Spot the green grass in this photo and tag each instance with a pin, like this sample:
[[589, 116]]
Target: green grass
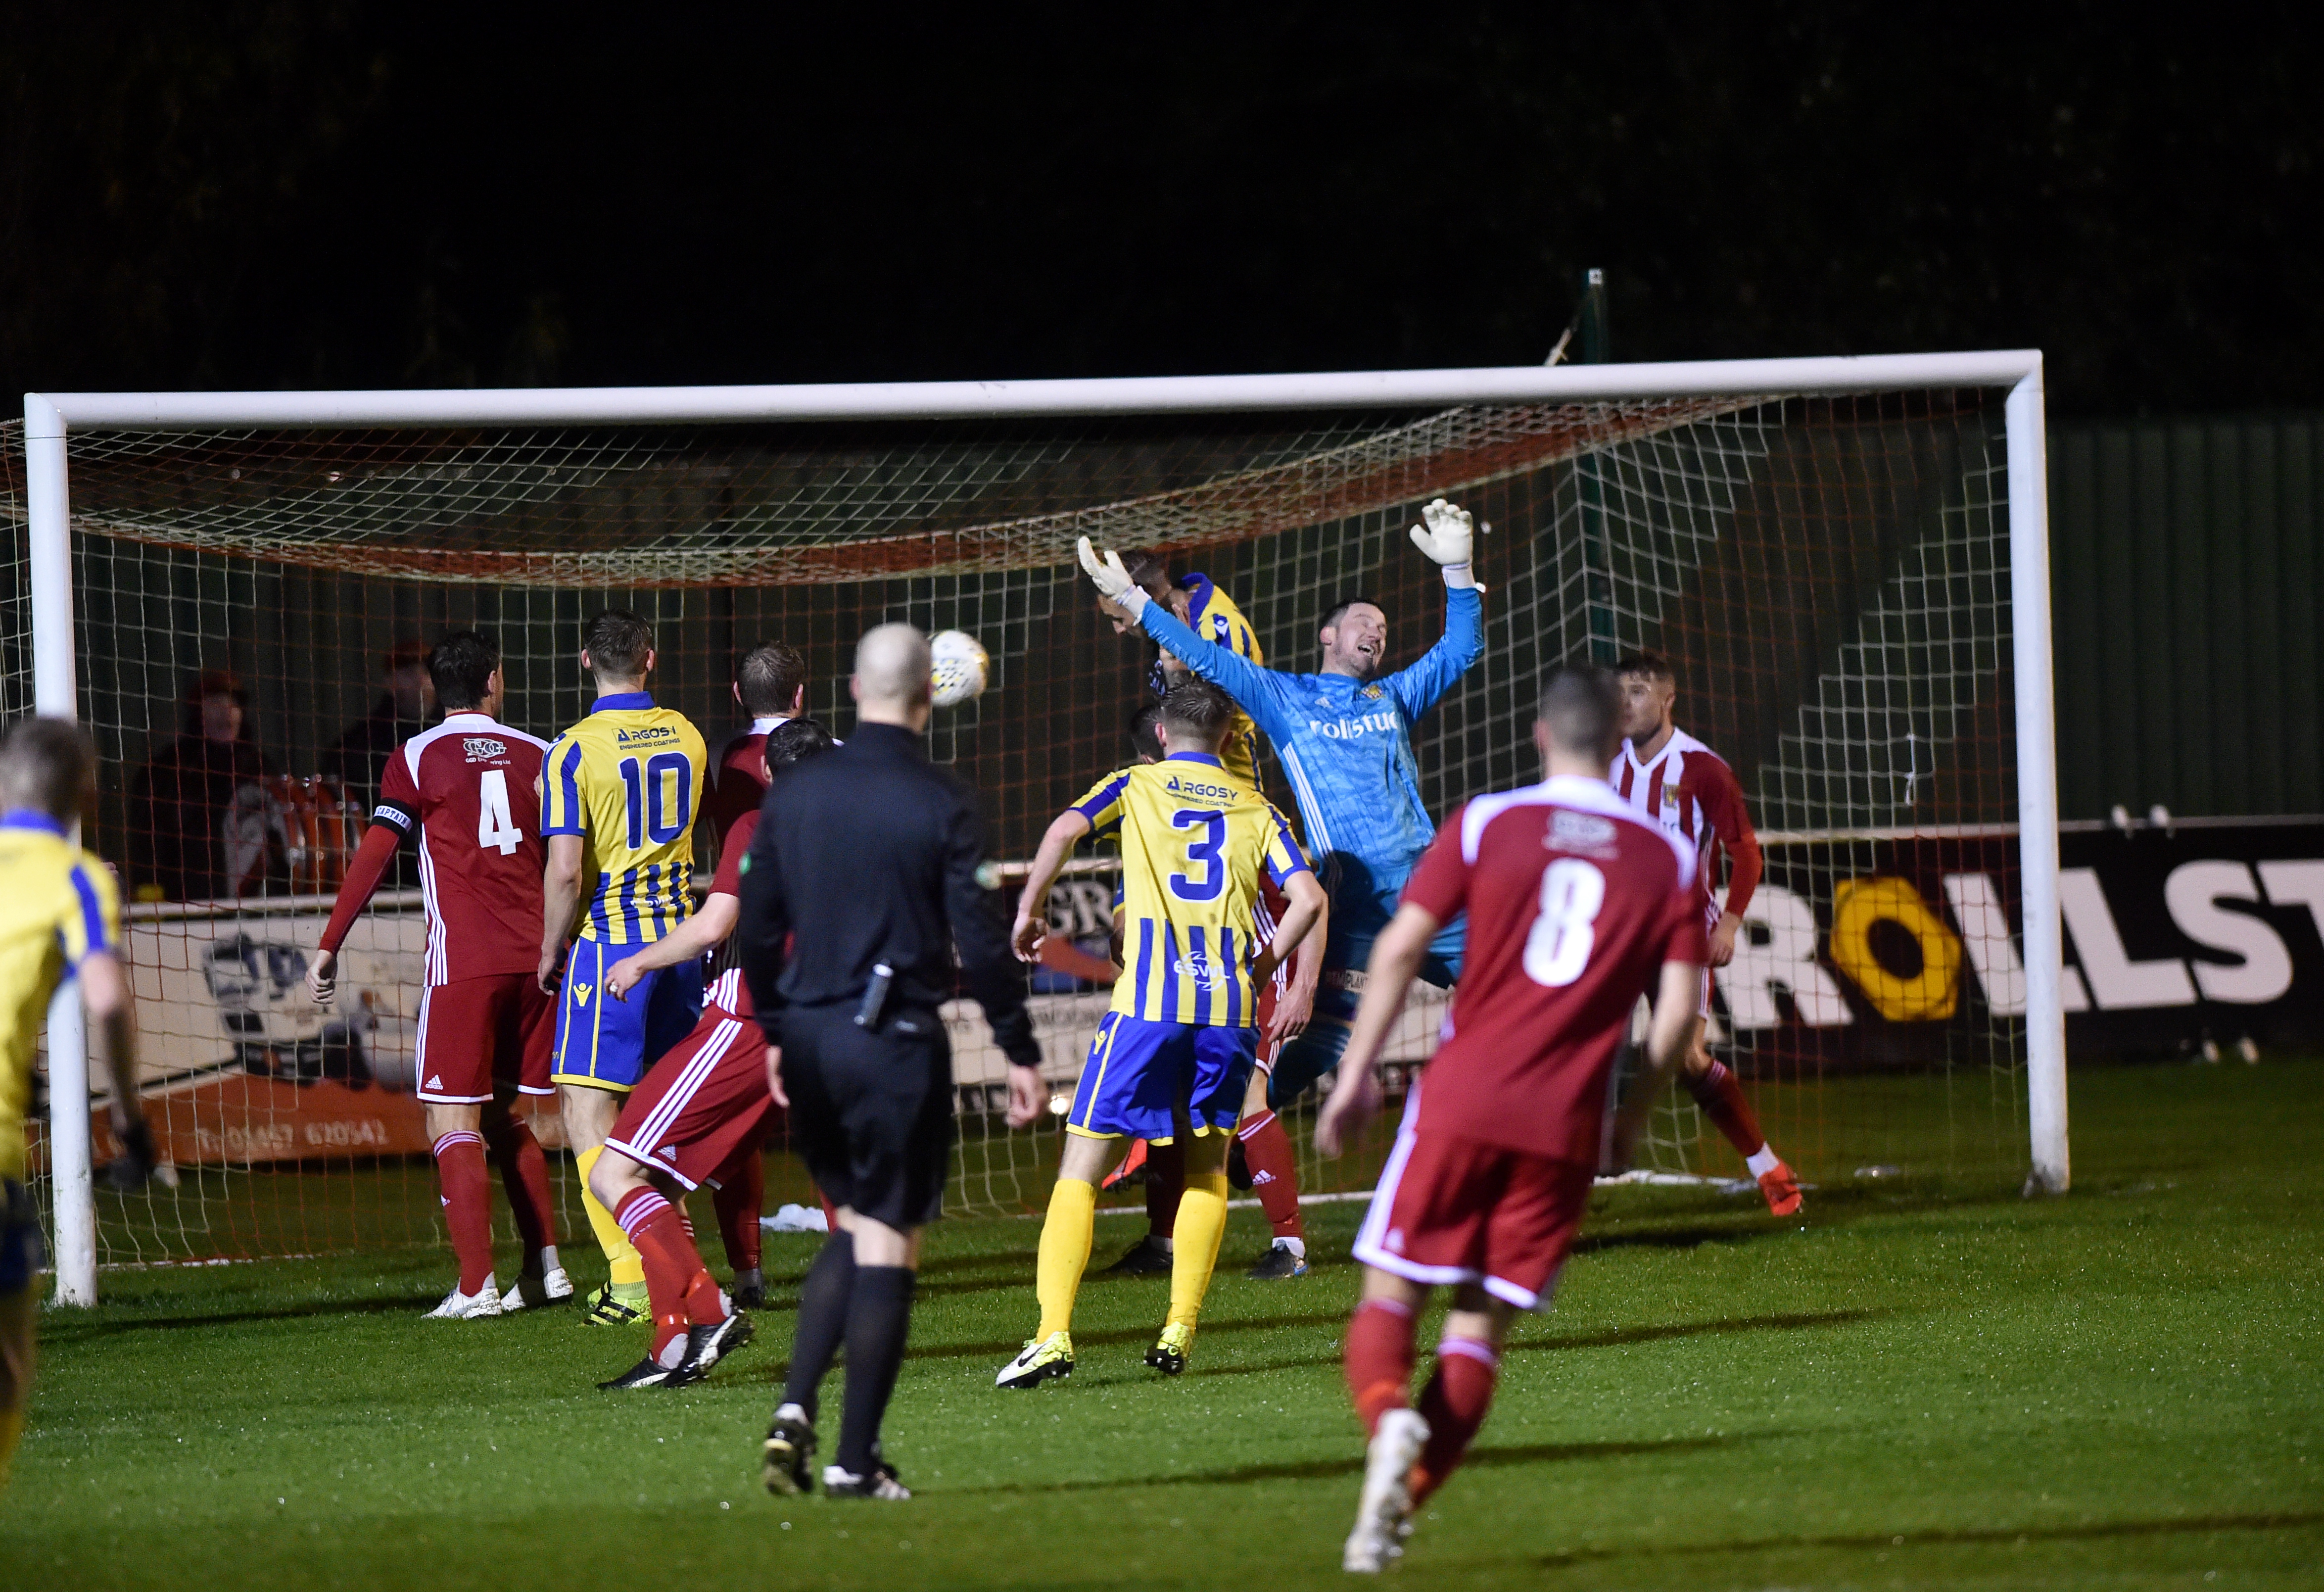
[[2117, 1389]]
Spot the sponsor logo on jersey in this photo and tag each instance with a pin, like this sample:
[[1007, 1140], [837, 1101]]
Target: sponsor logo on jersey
[[1201, 969], [481, 748], [654, 732], [1195, 787], [1350, 729], [1578, 832]]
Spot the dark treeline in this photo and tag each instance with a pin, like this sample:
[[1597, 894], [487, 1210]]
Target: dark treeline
[[353, 194]]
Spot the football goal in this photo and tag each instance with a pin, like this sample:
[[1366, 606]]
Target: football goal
[[1846, 560]]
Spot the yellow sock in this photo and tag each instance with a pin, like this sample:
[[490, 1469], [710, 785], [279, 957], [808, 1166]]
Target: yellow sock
[[628, 1268], [1065, 1237], [1194, 1249]]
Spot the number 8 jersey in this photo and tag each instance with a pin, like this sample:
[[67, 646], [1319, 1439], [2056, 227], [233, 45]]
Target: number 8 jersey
[[465, 793], [1194, 841], [1574, 903], [628, 780]]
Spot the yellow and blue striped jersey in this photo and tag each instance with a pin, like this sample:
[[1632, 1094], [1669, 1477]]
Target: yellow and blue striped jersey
[[56, 904], [1194, 841], [628, 780], [1212, 614]]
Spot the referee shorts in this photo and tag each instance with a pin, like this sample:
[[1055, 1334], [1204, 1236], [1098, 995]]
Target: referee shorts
[[871, 1108], [606, 1043]]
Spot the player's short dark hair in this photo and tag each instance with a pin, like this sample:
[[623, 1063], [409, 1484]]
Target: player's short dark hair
[[1147, 570], [1582, 705], [1197, 710], [461, 667], [794, 740], [1142, 743], [617, 641], [1653, 665], [404, 655], [768, 678], [46, 764], [1339, 610]]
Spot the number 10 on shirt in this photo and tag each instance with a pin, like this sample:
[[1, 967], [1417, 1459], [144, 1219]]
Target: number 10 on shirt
[[661, 798]]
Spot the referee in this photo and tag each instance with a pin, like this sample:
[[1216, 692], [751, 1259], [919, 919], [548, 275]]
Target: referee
[[862, 878]]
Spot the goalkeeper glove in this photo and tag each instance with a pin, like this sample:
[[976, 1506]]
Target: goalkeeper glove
[[137, 1159], [1447, 536], [1111, 578]]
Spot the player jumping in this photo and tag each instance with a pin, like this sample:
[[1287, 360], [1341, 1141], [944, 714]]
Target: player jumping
[[1174, 1055], [700, 1112], [466, 796], [1343, 736], [1573, 903], [619, 794], [1670, 778]]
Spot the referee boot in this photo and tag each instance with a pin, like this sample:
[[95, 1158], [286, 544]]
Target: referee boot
[[788, 1453]]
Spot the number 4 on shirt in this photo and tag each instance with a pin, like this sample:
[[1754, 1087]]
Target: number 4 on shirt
[[496, 828]]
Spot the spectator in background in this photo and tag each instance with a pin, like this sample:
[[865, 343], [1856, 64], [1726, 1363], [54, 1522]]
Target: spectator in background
[[198, 809], [408, 706]]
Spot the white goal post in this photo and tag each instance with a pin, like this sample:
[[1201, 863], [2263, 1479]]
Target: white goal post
[[49, 417]]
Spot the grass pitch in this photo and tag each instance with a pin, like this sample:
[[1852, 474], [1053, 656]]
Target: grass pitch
[[1910, 1388]]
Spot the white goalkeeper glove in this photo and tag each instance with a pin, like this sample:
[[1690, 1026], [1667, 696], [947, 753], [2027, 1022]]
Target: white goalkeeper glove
[[1448, 536], [1111, 579]]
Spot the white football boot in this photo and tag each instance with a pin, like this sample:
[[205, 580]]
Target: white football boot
[[467, 1306], [1378, 1539], [525, 1292]]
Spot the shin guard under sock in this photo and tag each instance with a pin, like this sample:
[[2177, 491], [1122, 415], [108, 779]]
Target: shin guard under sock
[[466, 1192], [628, 1270], [822, 1323], [879, 1321], [1274, 1173], [524, 1179], [1065, 1236], [1379, 1359], [1202, 1224], [1720, 1094], [1453, 1403]]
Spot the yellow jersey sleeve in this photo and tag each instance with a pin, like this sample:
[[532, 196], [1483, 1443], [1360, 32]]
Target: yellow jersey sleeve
[[1104, 802], [91, 920]]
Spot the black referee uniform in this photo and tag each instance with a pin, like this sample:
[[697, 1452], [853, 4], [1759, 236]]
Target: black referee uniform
[[866, 858]]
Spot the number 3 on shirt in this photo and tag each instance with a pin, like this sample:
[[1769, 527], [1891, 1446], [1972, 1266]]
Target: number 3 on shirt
[[496, 828], [1558, 947], [1209, 849]]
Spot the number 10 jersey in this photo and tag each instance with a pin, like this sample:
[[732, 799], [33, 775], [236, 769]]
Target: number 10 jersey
[[467, 794], [1195, 841], [629, 780]]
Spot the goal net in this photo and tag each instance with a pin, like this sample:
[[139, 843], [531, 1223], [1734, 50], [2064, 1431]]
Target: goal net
[[1830, 573]]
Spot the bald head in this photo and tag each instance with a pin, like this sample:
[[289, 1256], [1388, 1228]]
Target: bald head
[[893, 676]]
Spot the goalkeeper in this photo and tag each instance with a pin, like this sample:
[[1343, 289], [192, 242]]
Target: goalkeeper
[[1343, 736]]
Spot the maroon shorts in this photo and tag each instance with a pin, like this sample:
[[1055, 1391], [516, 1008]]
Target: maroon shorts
[[1449, 1210], [477, 1031], [700, 1101]]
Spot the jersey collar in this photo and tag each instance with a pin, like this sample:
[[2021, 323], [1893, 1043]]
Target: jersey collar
[[770, 724], [1203, 758], [622, 702], [1198, 590], [30, 818]]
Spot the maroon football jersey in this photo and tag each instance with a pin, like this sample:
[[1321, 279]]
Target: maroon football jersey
[[469, 789], [736, 786], [726, 990], [1574, 903]]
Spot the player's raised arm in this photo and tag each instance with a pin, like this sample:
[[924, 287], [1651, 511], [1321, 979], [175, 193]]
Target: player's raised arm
[[1448, 537], [1253, 688]]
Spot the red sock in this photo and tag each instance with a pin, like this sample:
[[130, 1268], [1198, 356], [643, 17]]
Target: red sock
[[1453, 1403], [830, 1211], [524, 1177], [1379, 1359], [1721, 1096], [1165, 1180], [741, 1193], [1274, 1173], [468, 1205], [677, 1284]]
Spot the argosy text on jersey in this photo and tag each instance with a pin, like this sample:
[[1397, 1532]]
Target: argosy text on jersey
[[1185, 787], [652, 732]]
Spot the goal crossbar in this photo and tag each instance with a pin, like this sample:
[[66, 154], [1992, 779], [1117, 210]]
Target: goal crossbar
[[49, 417]]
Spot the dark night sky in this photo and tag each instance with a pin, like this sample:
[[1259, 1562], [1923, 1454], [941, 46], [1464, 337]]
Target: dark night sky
[[278, 195]]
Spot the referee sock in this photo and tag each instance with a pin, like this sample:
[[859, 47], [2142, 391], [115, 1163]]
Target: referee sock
[[1721, 1096], [822, 1320], [1202, 1224], [1379, 1359], [1065, 1236], [629, 1271], [1453, 1403], [466, 1192], [878, 1320], [1274, 1174]]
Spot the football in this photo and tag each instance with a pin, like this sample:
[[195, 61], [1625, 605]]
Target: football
[[960, 666]]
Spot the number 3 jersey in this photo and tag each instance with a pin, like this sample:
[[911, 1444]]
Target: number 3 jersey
[[628, 780], [1195, 841], [464, 794], [1574, 903]]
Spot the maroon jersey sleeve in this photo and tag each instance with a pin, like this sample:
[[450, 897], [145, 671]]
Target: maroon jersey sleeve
[[1721, 800], [1439, 884], [732, 849]]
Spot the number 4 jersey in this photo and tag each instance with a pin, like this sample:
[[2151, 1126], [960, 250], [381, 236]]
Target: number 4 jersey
[[1574, 903], [466, 793]]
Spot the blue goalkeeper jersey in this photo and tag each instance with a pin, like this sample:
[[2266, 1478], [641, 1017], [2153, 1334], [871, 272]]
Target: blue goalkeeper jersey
[[1345, 744]]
